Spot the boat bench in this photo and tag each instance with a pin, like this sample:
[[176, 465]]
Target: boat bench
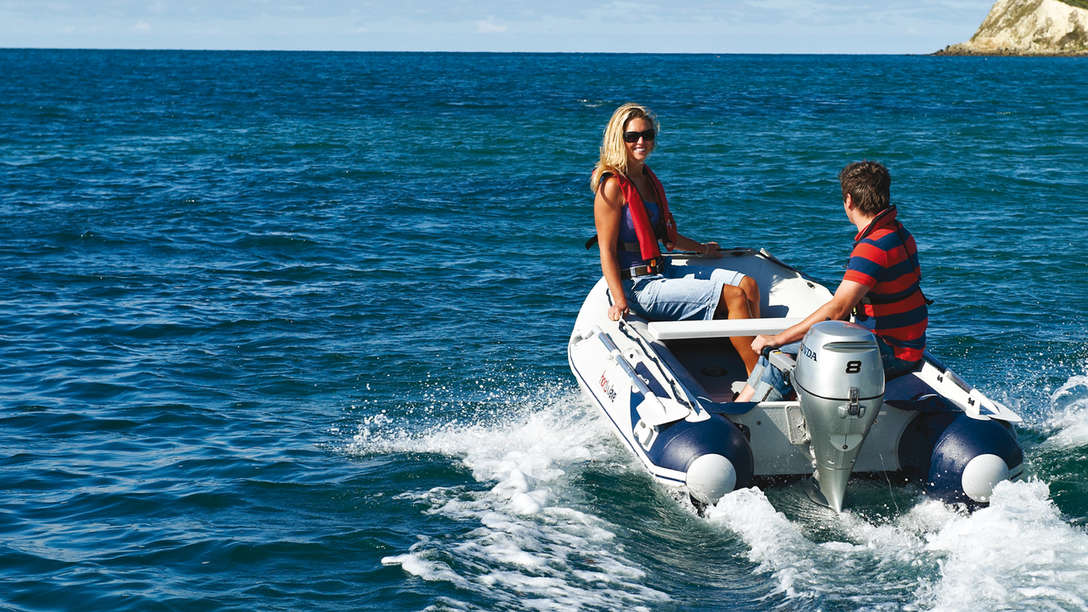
[[718, 328]]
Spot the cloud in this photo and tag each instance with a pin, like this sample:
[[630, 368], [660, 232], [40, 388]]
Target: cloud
[[490, 26], [141, 26]]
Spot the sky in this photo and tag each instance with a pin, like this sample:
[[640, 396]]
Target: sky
[[652, 26]]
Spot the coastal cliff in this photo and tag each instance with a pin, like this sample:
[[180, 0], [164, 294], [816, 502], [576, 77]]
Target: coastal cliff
[[1029, 27]]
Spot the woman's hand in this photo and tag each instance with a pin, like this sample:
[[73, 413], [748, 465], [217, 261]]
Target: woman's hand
[[617, 310]]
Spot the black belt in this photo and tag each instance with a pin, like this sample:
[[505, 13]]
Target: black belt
[[653, 267]]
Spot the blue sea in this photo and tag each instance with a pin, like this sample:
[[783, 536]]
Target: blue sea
[[287, 331]]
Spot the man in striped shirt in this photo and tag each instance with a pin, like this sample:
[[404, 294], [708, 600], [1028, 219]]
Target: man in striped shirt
[[881, 286]]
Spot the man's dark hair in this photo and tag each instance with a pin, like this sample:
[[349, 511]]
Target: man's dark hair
[[868, 184]]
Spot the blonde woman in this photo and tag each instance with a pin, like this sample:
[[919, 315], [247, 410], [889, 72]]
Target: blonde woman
[[632, 215]]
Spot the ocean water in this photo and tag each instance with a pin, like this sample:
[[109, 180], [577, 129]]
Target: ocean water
[[287, 331]]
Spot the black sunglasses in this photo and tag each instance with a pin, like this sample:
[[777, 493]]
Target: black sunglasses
[[634, 136]]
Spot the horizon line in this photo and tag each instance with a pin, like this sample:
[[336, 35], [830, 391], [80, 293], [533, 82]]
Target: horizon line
[[461, 51]]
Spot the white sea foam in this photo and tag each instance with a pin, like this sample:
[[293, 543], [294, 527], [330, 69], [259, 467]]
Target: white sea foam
[[775, 543], [534, 546], [1018, 554], [859, 570], [531, 546], [1068, 421]]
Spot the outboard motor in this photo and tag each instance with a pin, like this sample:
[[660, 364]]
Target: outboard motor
[[839, 381]]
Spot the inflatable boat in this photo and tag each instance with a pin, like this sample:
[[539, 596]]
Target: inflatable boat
[[667, 389]]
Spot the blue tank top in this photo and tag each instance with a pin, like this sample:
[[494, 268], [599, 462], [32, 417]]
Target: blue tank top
[[627, 234]]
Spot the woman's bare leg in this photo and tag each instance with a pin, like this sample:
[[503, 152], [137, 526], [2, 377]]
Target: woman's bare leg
[[751, 291], [735, 305]]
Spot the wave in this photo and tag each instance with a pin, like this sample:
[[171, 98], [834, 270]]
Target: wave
[[528, 541], [527, 537], [1067, 423], [1018, 553]]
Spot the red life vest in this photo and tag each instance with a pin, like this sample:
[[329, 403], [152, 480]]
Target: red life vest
[[647, 236]]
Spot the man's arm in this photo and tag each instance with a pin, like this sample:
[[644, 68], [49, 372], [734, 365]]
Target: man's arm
[[837, 308]]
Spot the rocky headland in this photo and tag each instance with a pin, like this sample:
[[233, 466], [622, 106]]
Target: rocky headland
[[1029, 27]]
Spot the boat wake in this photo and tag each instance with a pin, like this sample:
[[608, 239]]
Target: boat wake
[[525, 542], [1020, 552], [1000, 557], [527, 534], [1067, 426]]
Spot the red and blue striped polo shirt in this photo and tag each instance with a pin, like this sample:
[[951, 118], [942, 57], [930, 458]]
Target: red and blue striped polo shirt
[[885, 259]]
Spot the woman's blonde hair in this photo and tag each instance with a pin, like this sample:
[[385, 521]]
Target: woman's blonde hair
[[613, 152]]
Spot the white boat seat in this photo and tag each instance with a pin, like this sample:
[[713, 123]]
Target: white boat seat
[[718, 328]]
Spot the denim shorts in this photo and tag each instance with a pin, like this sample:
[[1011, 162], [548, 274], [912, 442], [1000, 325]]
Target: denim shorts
[[679, 293], [771, 385]]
